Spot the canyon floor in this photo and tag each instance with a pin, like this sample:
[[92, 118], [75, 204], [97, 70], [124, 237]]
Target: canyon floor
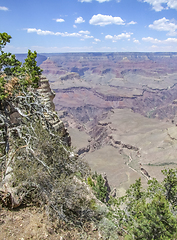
[[120, 110]]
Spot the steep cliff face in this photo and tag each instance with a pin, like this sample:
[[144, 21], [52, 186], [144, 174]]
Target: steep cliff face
[[46, 95], [31, 135]]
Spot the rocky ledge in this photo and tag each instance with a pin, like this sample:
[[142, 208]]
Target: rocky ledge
[[46, 96]]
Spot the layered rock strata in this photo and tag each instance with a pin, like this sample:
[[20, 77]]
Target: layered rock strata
[[46, 96]]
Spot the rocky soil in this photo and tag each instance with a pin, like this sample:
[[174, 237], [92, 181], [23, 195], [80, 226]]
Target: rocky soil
[[33, 223]]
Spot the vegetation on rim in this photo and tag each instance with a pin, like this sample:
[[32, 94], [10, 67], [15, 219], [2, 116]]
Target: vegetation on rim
[[35, 163]]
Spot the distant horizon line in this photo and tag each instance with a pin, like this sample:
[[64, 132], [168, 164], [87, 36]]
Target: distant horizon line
[[95, 52]]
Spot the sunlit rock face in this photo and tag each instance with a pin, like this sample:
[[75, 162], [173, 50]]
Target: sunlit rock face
[[118, 107], [45, 92], [46, 96]]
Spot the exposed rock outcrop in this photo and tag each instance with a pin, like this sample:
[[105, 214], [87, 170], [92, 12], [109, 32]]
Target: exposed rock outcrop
[[45, 93], [144, 172], [83, 150], [25, 122], [46, 96]]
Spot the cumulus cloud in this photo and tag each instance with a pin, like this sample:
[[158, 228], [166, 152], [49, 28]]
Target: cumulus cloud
[[97, 40], [170, 40], [118, 37], [40, 32], [136, 41], [164, 24], [103, 20], [132, 23], [155, 40], [101, 1], [82, 34], [87, 36], [159, 5], [59, 20], [74, 26], [150, 39], [46, 32], [3, 8], [79, 20]]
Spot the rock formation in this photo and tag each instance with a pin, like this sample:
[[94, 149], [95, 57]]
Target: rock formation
[[26, 116], [144, 171], [46, 95]]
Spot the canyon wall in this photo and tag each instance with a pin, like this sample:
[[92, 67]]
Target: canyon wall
[[120, 109]]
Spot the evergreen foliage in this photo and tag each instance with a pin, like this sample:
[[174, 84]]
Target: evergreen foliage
[[170, 184], [146, 214], [15, 77], [98, 185]]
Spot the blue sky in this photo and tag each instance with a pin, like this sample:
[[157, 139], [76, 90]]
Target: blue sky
[[90, 25]]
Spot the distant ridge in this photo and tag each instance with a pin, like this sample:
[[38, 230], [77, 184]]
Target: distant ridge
[[40, 58]]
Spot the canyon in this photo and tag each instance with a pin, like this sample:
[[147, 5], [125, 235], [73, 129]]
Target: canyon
[[120, 110]]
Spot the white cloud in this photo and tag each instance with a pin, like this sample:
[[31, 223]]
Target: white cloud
[[87, 36], [136, 41], [74, 26], [163, 48], [108, 37], [118, 37], [164, 24], [171, 40], [59, 20], [46, 32], [66, 34], [155, 40], [172, 4], [79, 20], [40, 32], [152, 40], [159, 5], [97, 40], [84, 32], [132, 23], [103, 20], [168, 45], [101, 1], [3, 8]]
